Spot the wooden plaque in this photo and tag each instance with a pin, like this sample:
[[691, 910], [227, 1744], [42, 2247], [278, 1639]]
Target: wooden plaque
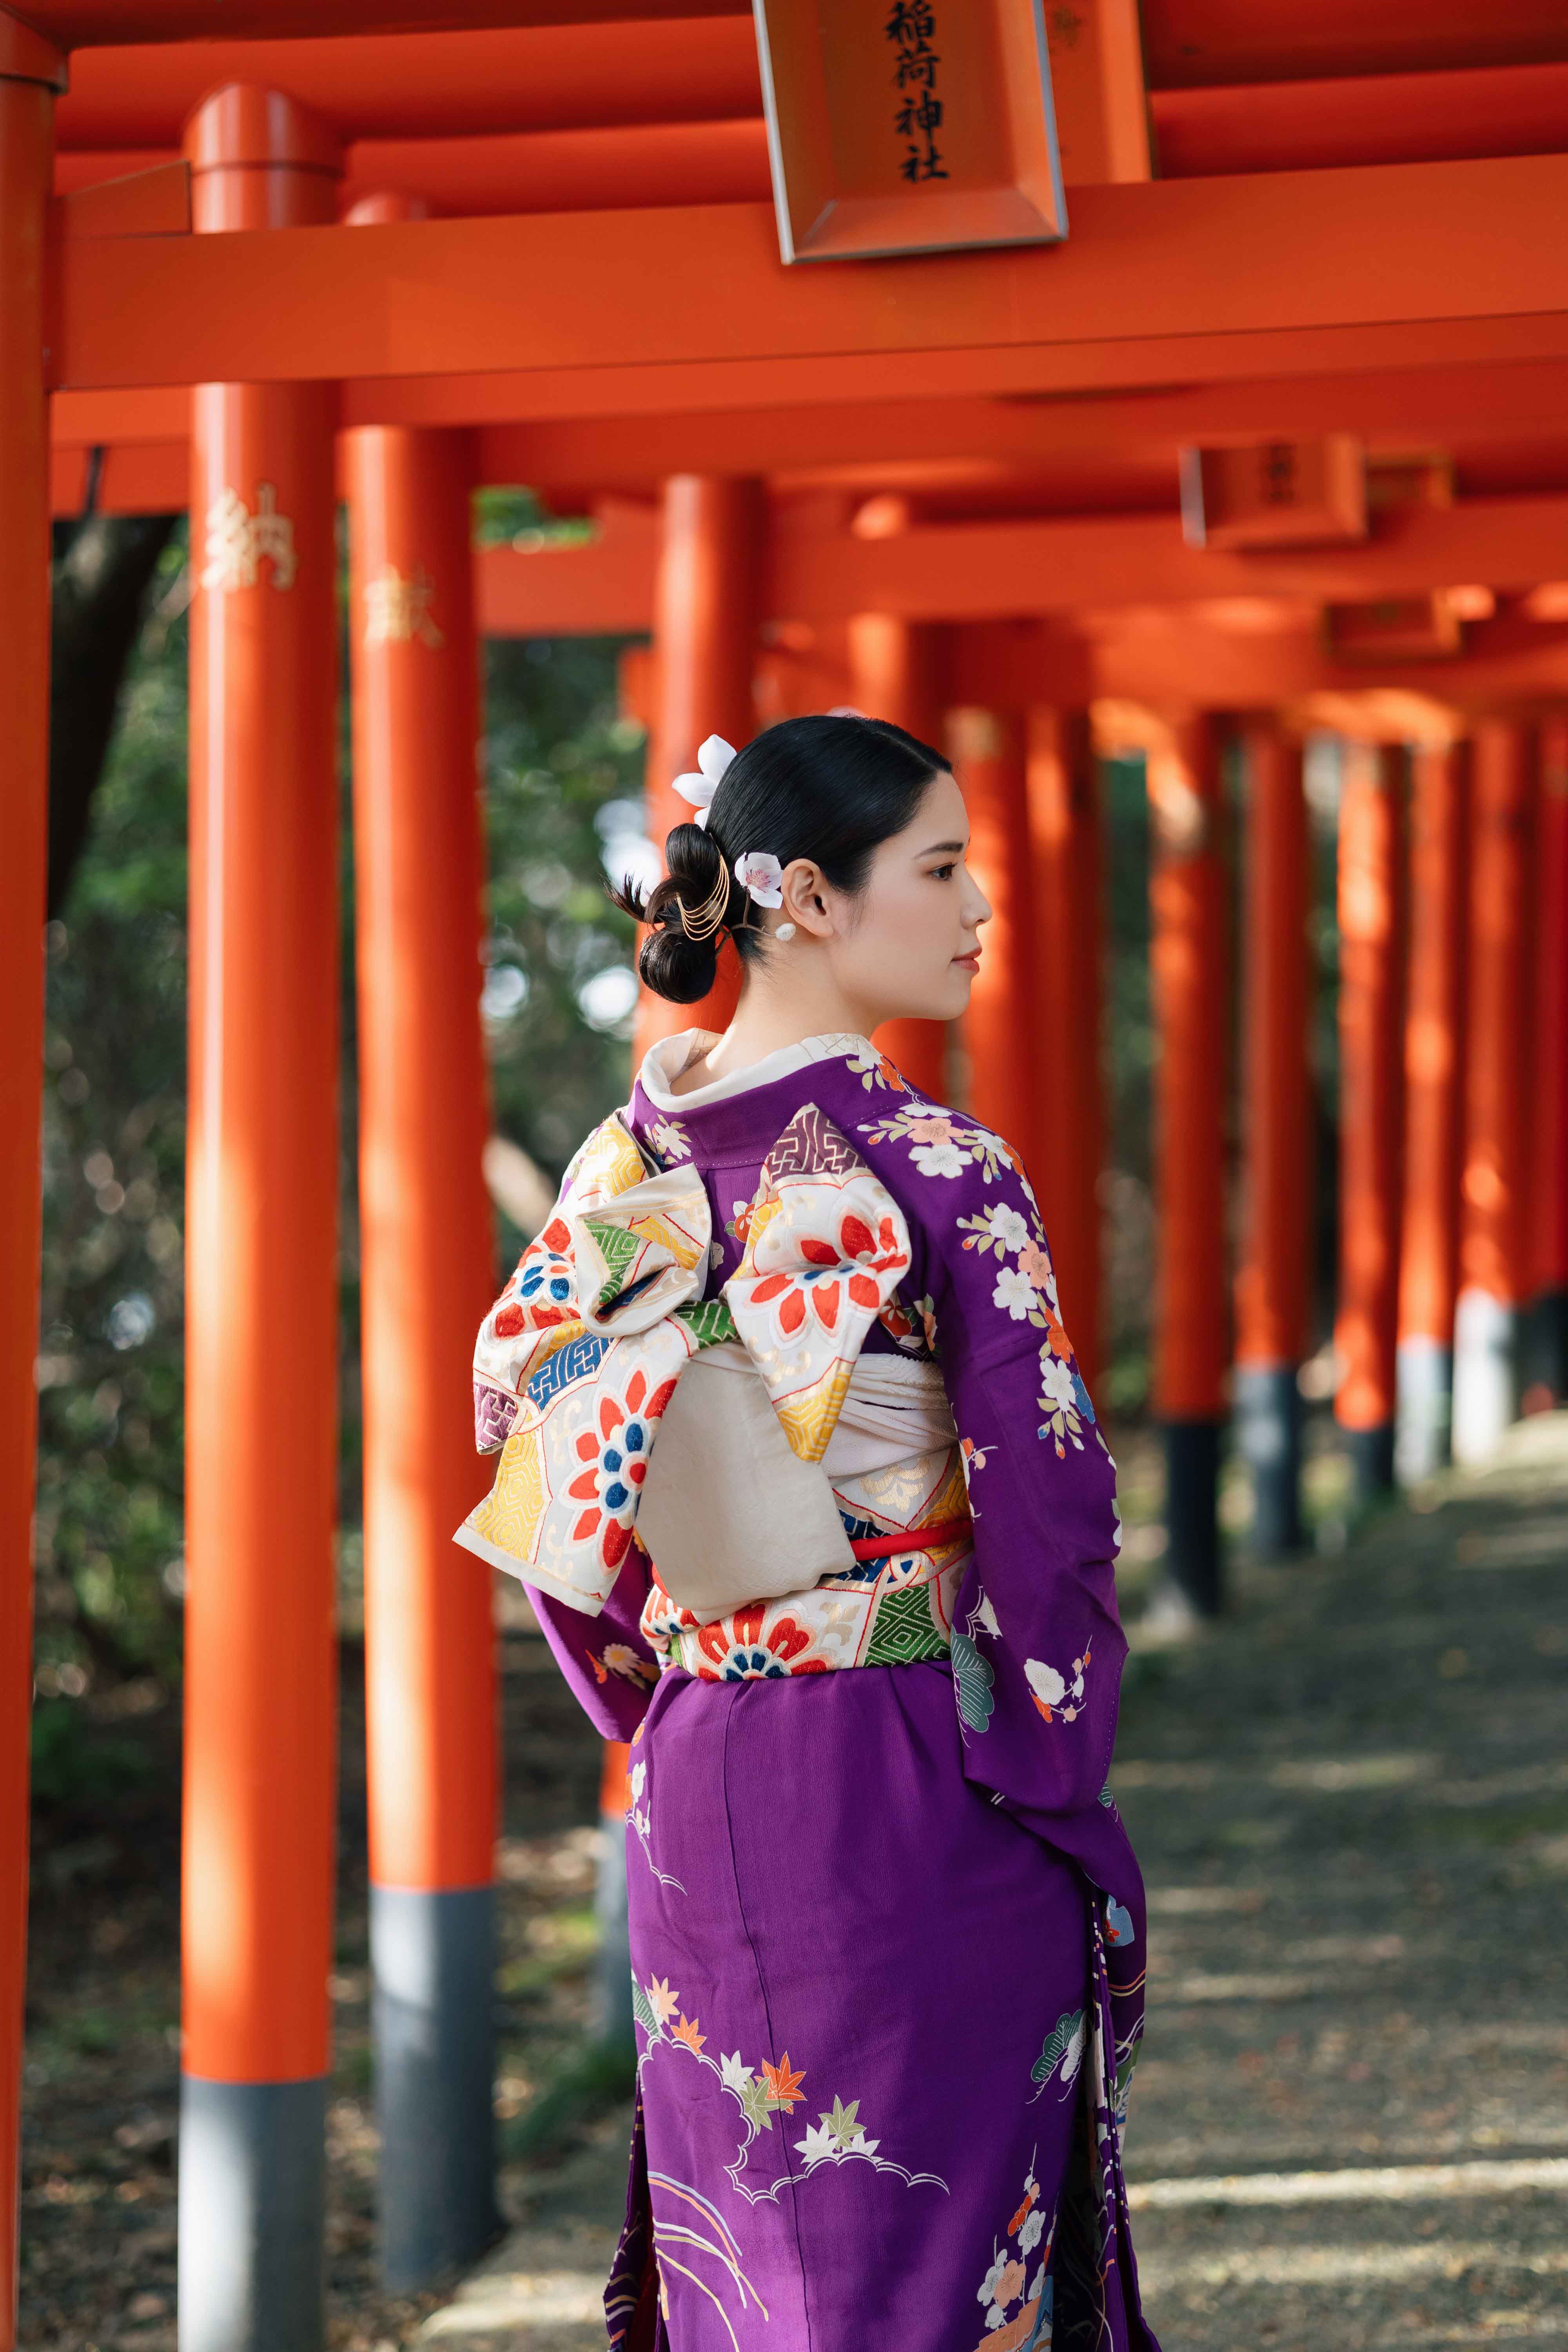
[[909, 126]]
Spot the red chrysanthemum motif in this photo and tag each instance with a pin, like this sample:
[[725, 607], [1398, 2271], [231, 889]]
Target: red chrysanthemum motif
[[825, 1298], [823, 1253], [769, 1288], [862, 1290], [557, 1236], [616, 1543], [857, 1238], [509, 1322]]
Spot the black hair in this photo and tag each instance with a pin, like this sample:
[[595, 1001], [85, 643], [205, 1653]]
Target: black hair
[[822, 787]]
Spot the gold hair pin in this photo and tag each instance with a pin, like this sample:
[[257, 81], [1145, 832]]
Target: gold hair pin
[[701, 923]]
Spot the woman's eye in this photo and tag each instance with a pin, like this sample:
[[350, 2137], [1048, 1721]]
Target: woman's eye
[[941, 873]]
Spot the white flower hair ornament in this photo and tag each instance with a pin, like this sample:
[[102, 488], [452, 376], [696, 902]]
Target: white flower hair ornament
[[761, 876], [700, 783]]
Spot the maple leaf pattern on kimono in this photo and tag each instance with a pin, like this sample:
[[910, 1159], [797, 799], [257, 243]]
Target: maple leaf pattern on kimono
[[761, 2091]]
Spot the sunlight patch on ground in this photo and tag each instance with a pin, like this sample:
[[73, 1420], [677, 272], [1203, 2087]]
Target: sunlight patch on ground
[[524, 2300], [1485, 2178], [1343, 2265]]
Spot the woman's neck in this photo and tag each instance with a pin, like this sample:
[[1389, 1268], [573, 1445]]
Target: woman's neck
[[774, 1013]]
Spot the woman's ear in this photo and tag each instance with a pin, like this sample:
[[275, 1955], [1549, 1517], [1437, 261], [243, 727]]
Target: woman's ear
[[805, 888]]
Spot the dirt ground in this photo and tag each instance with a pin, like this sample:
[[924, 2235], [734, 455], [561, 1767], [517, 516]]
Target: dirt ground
[[1350, 2127], [101, 2087]]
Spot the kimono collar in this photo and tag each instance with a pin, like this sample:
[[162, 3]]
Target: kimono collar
[[664, 1061]]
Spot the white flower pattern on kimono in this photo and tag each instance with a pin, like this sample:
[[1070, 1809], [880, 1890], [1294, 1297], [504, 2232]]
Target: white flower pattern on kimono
[[939, 1160], [1051, 1690], [1014, 1292], [1044, 1682], [669, 1140], [942, 1144], [1007, 1227]]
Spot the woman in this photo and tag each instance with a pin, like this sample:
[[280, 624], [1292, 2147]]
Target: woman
[[797, 1465]]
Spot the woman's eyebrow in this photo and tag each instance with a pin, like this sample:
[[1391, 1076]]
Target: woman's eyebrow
[[931, 847]]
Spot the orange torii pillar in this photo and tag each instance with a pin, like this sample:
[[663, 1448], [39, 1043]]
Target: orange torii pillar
[[427, 1276], [1497, 1073], [1188, 968], [31, 71], [1272, 1279], [1064, 1139], [1548, 1360], [261, 1298], [1434, 1061], [1371, 926], [999, 1034], [707, 600], [894, 674]]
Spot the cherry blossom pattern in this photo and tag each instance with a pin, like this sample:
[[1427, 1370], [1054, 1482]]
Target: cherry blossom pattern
[[874, 1070], [1016, 2290], [942, 1144], [1025, 1292], [1063, 1398], [616, 1459], [1056, 1694], [760, 2090]]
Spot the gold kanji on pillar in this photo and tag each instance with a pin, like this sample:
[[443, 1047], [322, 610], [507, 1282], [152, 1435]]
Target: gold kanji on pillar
[[239, 543], [398, 611]]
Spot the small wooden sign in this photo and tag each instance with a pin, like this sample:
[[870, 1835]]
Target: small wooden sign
[[909, 126], [1275, 494]]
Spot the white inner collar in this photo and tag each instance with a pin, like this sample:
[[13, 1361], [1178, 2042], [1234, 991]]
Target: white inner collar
[[664, 1061]]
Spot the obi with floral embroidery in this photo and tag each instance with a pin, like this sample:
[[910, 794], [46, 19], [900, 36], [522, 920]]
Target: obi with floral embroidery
[[578, 1361]]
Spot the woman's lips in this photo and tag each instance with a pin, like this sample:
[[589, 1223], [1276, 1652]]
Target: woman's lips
[[970, 961]]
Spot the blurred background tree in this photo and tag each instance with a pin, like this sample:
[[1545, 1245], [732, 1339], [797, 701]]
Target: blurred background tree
[[563, 778]]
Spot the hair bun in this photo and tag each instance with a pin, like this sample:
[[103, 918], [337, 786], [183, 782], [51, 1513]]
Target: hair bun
[[674, 963]]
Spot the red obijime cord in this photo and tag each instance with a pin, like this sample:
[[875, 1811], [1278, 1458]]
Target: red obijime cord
[[932, 1539]]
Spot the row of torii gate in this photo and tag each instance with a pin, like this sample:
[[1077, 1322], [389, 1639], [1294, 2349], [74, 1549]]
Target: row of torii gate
[[838, 504]]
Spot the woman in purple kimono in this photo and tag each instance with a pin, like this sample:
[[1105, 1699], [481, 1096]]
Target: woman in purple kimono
[[798, 1468]]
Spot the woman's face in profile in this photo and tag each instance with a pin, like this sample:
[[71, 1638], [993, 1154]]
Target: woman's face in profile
[[905, 947]]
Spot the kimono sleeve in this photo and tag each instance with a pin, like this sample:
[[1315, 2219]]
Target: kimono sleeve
[[606, 1662], [605, 1658], [1037, 1646]]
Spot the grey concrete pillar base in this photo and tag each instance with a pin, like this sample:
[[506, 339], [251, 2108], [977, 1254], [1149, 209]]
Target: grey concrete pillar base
[[1268, 1416], [1192, 1512], [1486, 1373], [433, 1961], [613, 2020], [253, 2202], [1424, 1409], [1372, 1461], [1546, 1345]]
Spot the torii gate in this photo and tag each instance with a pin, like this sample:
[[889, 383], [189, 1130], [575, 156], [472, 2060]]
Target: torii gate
[[965, 459]]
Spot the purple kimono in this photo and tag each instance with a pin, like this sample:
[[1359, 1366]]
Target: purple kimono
[[887, 1927]]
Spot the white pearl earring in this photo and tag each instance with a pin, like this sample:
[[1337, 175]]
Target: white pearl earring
[[784, 931]]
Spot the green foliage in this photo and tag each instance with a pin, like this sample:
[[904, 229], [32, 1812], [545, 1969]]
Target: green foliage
[[592, 2079], [75, 1765], [563, 778], [110, 1475]]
